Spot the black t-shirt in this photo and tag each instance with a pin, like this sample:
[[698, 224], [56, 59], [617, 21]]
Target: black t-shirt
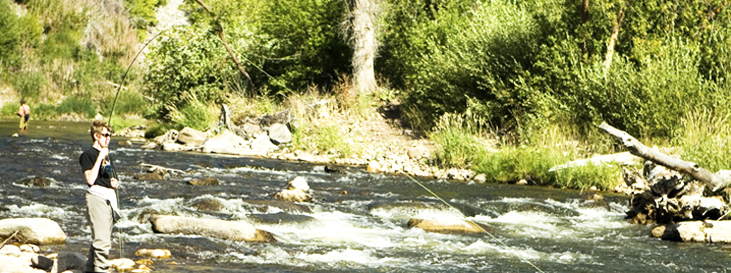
[[87, 160]]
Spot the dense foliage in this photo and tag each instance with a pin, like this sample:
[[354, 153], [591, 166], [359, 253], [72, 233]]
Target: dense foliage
[[521, 64]]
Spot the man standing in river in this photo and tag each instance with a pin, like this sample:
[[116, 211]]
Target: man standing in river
[[24, 113], [101, 198]]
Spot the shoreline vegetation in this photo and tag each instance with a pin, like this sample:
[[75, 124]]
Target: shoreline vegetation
[[495, 90]]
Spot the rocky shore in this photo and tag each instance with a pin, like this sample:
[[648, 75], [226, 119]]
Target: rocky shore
[[388, 150]]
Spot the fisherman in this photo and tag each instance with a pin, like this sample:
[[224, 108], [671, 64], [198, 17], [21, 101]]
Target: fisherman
[[101, 199], [24, 113]]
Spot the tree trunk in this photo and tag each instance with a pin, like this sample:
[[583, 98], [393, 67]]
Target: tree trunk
[[584, 20], [230, 51], [365, 45], [713, 181], [613, 39]]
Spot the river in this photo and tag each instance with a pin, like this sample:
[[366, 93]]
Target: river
[[357, 221]]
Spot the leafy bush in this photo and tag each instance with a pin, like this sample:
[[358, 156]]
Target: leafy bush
[[142, 12], [44, 111], [468, 53], [80, 105], [157, 129], [128, 102], [189, 63], [28, 83], [8, 110], [10, 29], [195, 115], [649, 99], [301, 44]]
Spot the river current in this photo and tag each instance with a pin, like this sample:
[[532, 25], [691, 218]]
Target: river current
[[357, 221]]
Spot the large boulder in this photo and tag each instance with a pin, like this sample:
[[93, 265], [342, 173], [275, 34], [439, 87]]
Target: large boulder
[[229, 143], [16, 265], [280, 134], [263, 144], [39, 231], [215, 228], [69, 261], [252, 129], [696, 231], [447, 226], [192, 136]]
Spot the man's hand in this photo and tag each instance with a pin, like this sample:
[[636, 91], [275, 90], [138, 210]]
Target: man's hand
[[115, 183], [103, 152]]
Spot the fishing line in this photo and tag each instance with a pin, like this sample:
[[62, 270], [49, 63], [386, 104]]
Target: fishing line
[[111, 114], [473, 222]]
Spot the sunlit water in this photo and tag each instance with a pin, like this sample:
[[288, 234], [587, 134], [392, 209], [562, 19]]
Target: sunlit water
[[362, 230]]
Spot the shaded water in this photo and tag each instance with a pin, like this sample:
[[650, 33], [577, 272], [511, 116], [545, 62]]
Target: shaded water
[[363, 230]]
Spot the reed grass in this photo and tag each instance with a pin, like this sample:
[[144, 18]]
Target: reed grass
[[705, 139]]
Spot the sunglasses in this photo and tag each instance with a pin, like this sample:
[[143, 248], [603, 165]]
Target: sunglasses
[[106, 135]]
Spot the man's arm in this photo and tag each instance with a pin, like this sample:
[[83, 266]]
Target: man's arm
[[92, 174]]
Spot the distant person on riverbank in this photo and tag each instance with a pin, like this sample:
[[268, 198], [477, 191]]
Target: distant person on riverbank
[[24, 113], [101, 198]]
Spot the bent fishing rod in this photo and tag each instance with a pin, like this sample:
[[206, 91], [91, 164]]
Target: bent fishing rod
[[111, 114]]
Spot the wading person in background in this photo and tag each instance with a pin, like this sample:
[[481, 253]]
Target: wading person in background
[[24, 113], [101, 199]]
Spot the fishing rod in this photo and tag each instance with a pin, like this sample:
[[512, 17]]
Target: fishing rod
[[473, 222], [111, 114]]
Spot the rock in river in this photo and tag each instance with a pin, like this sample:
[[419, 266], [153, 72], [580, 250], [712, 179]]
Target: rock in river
[[215, 228], [33, 230]]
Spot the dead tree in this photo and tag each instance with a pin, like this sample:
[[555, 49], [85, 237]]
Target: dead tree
[[661, 194], [715, 182]]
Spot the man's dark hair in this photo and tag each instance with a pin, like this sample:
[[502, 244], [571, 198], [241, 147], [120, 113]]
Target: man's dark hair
[[22, 101]]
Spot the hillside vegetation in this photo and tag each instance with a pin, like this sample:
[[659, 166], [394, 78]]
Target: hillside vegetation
[[506, 88]]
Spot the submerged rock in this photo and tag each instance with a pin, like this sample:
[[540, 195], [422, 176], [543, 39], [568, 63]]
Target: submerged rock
[[264, 206], [215, 228], [209, 181], [207, 204], [447, 226], [412, 209], [154, 253], [33, 230], [280, 218], [150, 176], [296, 191], [37, 181]]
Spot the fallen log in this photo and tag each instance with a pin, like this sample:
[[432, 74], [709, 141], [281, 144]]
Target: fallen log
[[713, 181]]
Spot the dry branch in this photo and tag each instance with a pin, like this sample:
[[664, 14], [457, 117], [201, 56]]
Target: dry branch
[[711, 180], [228, 48]]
